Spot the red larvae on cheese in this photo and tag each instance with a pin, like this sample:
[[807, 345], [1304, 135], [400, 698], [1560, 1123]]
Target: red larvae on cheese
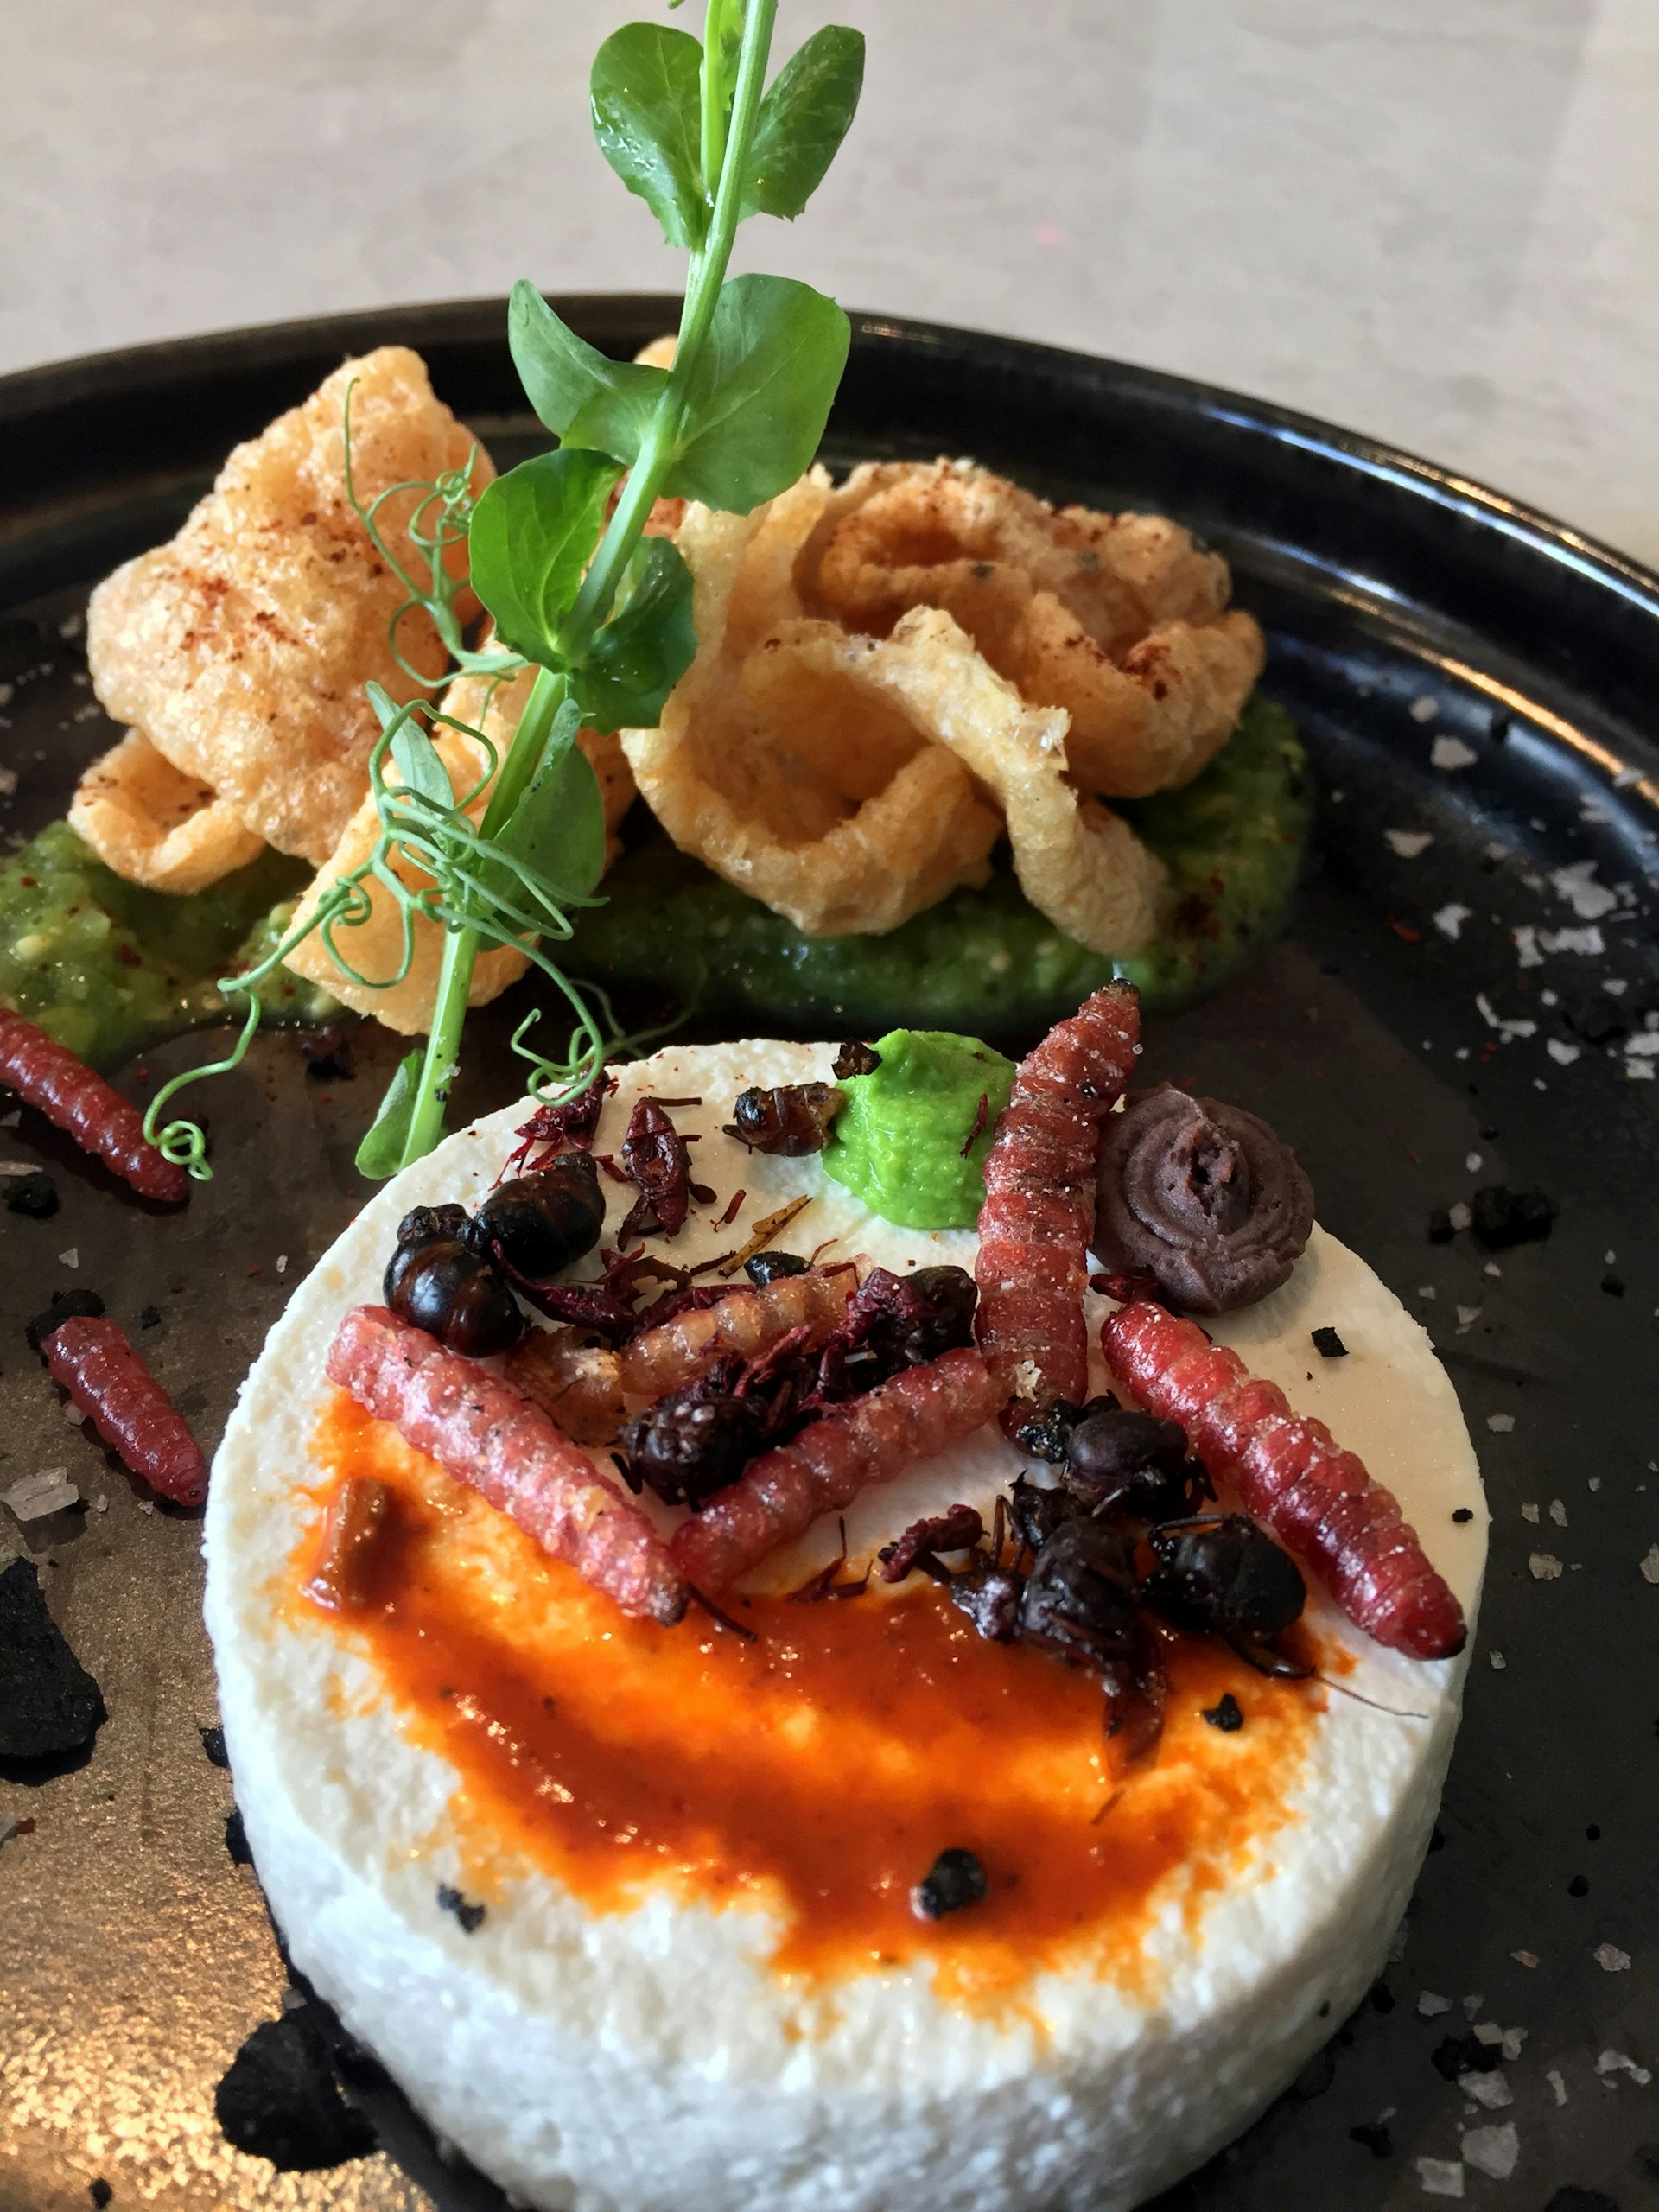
[[1038, 1213], [97, 1364], [480, 1431], [1290, 1472], [49, 1077], [921, 1412]]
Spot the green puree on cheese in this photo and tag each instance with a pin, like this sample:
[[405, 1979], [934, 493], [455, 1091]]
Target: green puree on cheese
[[911, 1139], [107, 967], [984, 963]]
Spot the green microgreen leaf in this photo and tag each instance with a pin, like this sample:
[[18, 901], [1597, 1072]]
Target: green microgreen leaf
[[532, 535], [641, 654], [760, 393], [413, 755], [562, 374], [615, 420], [803, 118], [381, 1153], [558, 828], [646, 96]]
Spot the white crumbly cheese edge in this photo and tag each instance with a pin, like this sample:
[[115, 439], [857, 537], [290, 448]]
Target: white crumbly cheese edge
[[650, 2058]]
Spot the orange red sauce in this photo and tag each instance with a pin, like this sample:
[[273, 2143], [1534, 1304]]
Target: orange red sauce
[[815, 1773]]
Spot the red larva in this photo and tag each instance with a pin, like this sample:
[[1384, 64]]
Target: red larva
[[918, 1413], [48, 1077], [481, 1430], [1290, 1472], [1038, 1212], [98, 1367]]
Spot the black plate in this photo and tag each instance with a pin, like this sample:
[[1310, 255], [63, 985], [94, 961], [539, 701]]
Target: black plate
[[1402, 606]]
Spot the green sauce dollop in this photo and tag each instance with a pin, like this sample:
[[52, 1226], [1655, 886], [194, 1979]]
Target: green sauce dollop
[[983, 961], [107, 967], [901, 1142]]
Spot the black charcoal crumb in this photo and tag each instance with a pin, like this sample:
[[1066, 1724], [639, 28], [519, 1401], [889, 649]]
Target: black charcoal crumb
[[1437, 1838], [1571, 2198], [1375, 2136], [1329, 1344], [1440, 1230], [50, 1706], [100, 2192], [236, 1838], [1578, 1887], [1497, 726], [1226, 1716], [1455, 2055], [35, 1195], [1463, 1513], [955, 1880], [1593, 1833], [1613, 1285], [1317, 2075], [328, 1055], [1501, 1216], [150, 1317], [212, 1743], [1383, 1998], [280, 2100], [470, 1916], [67, 1304]]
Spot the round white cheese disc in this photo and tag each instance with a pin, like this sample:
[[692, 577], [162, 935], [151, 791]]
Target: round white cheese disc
[[650, 2056]]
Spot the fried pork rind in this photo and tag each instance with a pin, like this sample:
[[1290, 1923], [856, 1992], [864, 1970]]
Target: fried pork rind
[[156, 826], [240, 650], [1077, 861], [1120, 618], [798, 771]]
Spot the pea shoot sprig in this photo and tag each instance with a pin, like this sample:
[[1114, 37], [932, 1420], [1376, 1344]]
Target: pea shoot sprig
[[558, 554]]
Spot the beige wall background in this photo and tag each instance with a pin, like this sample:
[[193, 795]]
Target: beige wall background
[[1433, 220]]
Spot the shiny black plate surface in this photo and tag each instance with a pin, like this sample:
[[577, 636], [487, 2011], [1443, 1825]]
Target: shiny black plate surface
[[1412, 619]]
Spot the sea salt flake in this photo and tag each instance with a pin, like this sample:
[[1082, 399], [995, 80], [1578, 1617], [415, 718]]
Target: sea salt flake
[[1496, 852], [1512, 2040], [1651, 1564], [1615, 2062], [1427, 1290], [48, 1491], [1471, 2006], [1491, 1267], [1492, 2150], [1423, 709], [1611, 1959], [1451, 753], [1558, 1512], [1638, 1072], [1496, 1661], [282, 1263], [1644, 1047], [1625, 778], [1408, 843], [1563, 1055], [71, 1258], [1500, 1424], [1450, 918], [1529, 1513], [1526, 944], [1615, 985], [1506, 1029], [1460, 1216], [1471, 1161], [1467, 1314], [1430, 2004], [1440, 2176], [1593, 1481], [1524, 1957], [1557, 2082], [1489, 2090], [1544, 1567], [1589, 942], [1577, 887]]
